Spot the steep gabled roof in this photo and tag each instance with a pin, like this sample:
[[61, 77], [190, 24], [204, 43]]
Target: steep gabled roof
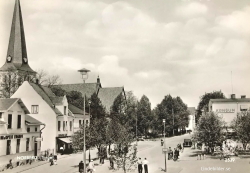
[[17, 46], [84, 88], [7, 103], [32, 121], [108, 96], [45, 97]]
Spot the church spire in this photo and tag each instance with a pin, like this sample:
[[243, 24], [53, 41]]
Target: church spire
[[17, 54]]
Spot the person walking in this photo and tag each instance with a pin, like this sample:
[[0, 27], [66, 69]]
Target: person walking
[[51, 159], [145, 163], [111, 160], [91, 167], [55, 159], [170, 153], [139, 165], [162, 142], [81, 167]]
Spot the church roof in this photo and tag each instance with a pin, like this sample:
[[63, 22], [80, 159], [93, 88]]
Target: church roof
[[85, 88], [108, 96], [17, 58]]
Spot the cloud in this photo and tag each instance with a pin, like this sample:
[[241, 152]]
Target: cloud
[[192, 9], [237, 21]]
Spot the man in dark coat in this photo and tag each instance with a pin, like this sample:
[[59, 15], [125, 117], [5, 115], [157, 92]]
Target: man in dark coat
[[81, 167]]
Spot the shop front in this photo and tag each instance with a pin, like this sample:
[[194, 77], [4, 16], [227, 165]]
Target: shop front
[[64, 144]]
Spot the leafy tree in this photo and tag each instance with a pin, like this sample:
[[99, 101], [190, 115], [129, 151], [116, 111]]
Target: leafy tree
[[209, 128], [144, 115], [124, 152], [96, 108], [118, 109], [58, 91], [204, 101], [241, 126]]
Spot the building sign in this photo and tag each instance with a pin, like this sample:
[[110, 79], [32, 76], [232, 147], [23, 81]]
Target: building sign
[[10, 137], [225, 110], [62, 135]]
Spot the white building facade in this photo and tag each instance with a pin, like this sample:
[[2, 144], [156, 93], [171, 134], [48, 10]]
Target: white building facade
[[229, 108]]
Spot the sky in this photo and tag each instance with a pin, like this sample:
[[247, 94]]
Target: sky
[[153, 47]]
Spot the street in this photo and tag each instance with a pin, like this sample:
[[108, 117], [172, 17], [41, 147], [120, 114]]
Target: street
[[152, 150]]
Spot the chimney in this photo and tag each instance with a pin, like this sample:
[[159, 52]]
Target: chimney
[[243, 96], [232, 96]]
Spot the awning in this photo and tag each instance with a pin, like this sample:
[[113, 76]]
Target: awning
[[66, 140]]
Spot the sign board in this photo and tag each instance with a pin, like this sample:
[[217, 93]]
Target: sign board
[[225, 110], [164, 149], [39, 139]]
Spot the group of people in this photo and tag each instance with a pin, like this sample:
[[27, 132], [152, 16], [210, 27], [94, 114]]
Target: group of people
[[142, 164], [90, 167], [174, 154]]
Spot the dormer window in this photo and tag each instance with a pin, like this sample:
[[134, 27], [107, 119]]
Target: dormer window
[[65, 110]]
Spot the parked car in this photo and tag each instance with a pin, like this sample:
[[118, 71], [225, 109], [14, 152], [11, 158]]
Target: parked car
[[187, 143], [140, 138]]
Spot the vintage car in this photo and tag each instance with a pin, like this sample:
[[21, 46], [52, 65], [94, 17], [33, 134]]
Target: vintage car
[[187, 143]]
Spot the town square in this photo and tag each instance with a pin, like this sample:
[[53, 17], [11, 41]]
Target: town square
[[124, 86]]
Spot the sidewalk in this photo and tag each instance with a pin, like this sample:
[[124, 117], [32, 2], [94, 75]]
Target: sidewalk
[[32, 165]]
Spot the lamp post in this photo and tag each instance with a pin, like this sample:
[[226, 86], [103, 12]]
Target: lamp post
[[165, 146], [89, 131], [173, 120], [84, 73], [136, 125]]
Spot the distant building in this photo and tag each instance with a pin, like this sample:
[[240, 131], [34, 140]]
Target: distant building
[[191, 121], [106, 95], [16, 64], [228, 108], [18, 130]]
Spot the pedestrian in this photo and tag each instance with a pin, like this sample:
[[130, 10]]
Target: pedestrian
[[145, 163], [51, 159], [81, 167], [170, 153], [55, 159], [139, 165], [162, 142], [111, 160], [91, 167], [61, 150]]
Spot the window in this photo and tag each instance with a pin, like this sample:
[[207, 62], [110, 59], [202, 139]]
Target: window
[[27, 144], [59, 125], [1, 115], [9, 121], [80, 123], [243, 107], [34, 109], [65, 108], [28, 129], [17, 145], [35, 129], [87, 122], [70, 124], [19, 121], [63, 125]]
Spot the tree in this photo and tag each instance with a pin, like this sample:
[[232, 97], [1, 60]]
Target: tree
[[47, 80], [96, 108], [144, 115], [124, 152], [58, 91], [204, 101], [209, 129], [241, 126], [12, 79], [118, 109]]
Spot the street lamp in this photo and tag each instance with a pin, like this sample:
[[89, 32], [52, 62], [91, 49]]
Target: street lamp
[[165, 146], [84, 73], [89, 131]]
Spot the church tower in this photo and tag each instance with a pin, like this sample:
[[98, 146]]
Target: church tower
[[16, 67]]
